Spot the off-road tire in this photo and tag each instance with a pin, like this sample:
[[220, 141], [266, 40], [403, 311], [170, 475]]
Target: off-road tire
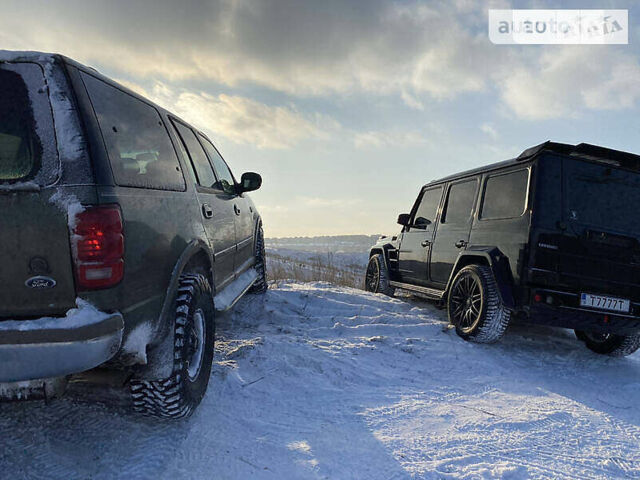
[[378, 267], [260, 285], [179, 395], [612, 345], [492, 320]]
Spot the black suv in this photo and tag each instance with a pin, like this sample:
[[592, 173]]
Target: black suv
[[550, 237], [122, 232]]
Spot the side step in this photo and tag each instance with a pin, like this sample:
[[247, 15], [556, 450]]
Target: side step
[[427, 292], [233, 292]]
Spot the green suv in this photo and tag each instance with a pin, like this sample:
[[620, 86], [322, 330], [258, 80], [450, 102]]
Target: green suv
[[122, 233]]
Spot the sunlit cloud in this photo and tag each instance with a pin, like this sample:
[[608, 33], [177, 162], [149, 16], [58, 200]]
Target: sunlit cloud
[[566, 80], [240, 119], [378, 139]]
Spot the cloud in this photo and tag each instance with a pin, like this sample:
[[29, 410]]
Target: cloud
[[301, 48], [380, 139], [417, 51], [564, 81], [240, 119], [489, 130]]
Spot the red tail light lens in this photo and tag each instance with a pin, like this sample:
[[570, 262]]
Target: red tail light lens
[[98, 242]]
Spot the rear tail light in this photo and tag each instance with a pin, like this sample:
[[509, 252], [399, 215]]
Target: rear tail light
[[98, 247]]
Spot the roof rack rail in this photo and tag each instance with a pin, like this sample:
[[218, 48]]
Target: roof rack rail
[[587, 151]]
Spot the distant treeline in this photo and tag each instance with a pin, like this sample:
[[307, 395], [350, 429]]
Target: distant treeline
[[327, 243]]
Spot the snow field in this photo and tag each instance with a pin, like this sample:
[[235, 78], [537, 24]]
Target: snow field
[[316, 381]]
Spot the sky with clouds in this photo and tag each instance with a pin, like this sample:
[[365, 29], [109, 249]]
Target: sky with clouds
[[347, 107]]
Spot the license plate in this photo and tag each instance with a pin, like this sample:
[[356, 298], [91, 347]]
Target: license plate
[[602, 302]]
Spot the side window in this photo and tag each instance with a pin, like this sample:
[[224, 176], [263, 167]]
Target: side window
[[428, 208], [505, 196], [138, 144], [226, 181], [203, 169], [460, 202]]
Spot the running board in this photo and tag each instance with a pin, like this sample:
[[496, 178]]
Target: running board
[[428, 292], [233, 292]]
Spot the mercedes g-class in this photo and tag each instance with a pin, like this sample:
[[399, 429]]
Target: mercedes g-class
[[550, 237]]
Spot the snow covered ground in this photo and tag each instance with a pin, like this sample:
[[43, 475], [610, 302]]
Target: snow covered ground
[[315, 381]]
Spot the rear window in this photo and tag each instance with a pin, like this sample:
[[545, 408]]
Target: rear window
[[460, 202], [27, 141], [505, 196], [139, 147], [601, 197]]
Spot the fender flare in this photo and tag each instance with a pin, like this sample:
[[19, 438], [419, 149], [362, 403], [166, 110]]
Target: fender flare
[[382, 249], [160, 356], [499, 265]]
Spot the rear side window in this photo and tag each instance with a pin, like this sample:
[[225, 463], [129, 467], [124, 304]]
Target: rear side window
[[27, 141], [428, 208], [460, 202], [139, 147], [505, 196], [203, 169], [225, 181]]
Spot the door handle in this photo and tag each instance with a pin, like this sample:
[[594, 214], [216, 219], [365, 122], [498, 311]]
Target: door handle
[[207, 211], [461, 243], [236, 209], [425, 243]]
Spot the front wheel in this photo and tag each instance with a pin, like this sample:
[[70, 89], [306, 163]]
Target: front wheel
[[609, 343], [179, 395], [377, 276], [475, 307], [260, 285]]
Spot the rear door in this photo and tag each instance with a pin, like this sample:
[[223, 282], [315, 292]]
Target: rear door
[[416, 241], [242, 209], [36, 273], [217, 207], [454, 229]]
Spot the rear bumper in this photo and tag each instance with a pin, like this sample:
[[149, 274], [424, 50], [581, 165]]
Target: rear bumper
[[54, 347], [566, 312]]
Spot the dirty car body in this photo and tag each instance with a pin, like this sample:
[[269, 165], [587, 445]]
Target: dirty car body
[[103, 206]]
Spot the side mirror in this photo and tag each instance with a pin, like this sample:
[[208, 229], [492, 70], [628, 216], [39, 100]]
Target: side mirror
[[249, 182], [403, 219]]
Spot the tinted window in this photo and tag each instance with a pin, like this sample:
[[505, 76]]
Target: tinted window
[[226, 181], [505, 196], [428, 207], [199, 160], [601, 197], [460, 202], [23, 105], [139, 147]]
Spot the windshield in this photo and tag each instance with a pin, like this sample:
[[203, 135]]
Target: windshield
[[602, 197], [25, 121]]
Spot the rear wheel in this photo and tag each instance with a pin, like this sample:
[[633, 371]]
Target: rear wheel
[[609, 343], [377, 276], [179, 395], [475, 307]]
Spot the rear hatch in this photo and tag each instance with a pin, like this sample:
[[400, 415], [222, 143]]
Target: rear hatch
[[595, 245], [36, 266]]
